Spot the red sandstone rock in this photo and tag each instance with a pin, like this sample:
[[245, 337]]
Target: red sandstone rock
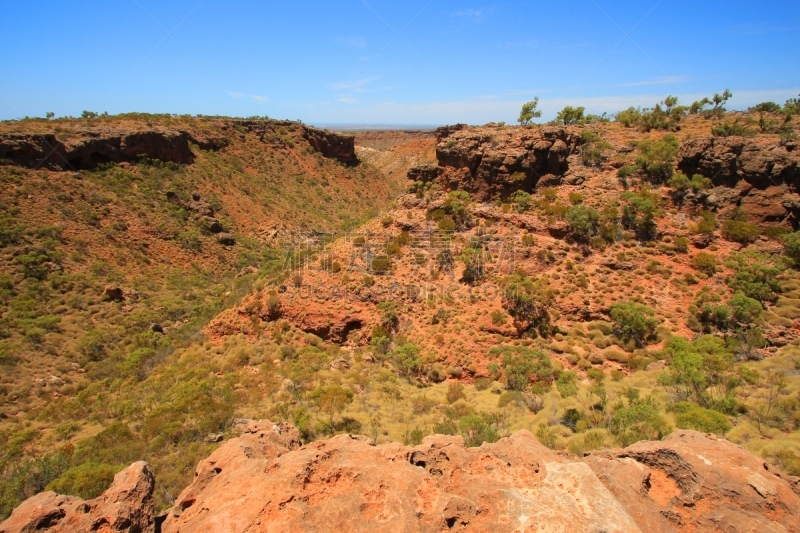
[[126, 506], [265, 481]]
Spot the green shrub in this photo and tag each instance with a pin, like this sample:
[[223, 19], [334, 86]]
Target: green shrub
[[706, 224], [523, 366], [689, 415], [86, 481], [522, 199], [571, 115], [639, 420], [633, 321], [582, 220], [656, 158], [755, 274], [528, 300], [738, 229], [567, 384], [477, 429], [705, 262]]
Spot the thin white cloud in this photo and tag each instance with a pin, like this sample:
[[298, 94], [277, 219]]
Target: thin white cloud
[[347, 100], [500, 107], [665, 80], [358, 86], [254, 97], [474, 14]]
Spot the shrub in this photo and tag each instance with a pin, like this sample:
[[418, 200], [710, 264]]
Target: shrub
[[594, 149], [705, 262], [529, 112], [86, 481], [702, 372], [380, 264], [745, 309], [546, 436], [656, 158], [498, 318], [681, 244], [629, 117], [407, 360], [689, 415], [482, 383], [626, 171], [706, 224], [639, 420], [791, 243], [446, 224], [523, 366], [729, 129], [571, 115], [755, 274], [582, 220], [633, 321], [332, 399], [638, 213], [567, 384], [739, 230], [522, 199], [477, 429], [455, 392], [528, 300]]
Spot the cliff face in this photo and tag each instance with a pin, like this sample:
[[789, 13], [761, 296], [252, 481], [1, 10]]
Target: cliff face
[[91, 149], [761, 177], [491, 163], [266, 481], [90, 146]]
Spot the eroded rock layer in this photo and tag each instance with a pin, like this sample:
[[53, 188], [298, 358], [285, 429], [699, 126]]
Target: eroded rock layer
[[265, 481]]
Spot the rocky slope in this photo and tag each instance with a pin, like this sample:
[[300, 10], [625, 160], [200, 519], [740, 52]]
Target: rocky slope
[[266, 481]]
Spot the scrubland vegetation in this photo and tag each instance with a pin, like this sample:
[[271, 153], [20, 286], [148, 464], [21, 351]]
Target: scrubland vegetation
[[616, 331]]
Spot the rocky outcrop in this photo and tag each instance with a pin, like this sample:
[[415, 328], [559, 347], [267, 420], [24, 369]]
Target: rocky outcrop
[[759, 177], [265, 480], [331, 144], [347, 484], [691, 481], [491, 163], [91, 148], [126, 506]]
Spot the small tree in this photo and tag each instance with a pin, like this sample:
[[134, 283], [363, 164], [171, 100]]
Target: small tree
[[407, 359], [657, 158], [523, 366], [571, 115], [528, 300], [791, 243], [582, 220], [529, 112], [633, 321], [332, 399]]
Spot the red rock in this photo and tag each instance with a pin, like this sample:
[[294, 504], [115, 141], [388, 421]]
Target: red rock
[[691, 481], [126, 506]]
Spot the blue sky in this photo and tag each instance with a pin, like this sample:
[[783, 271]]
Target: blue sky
[[375, 61]]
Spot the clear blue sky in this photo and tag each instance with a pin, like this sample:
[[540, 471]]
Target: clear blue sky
[[375, 61]]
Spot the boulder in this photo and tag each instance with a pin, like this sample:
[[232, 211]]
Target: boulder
[[264, 481], [692, 481], [114, 293], [126, 506], [226, 239]]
